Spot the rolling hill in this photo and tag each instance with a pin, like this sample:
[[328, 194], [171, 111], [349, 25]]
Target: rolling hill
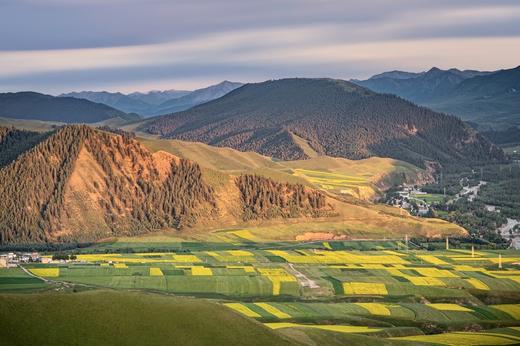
[[298, 118], [31, 105], [82, 184], [92, 316], [489, 99]]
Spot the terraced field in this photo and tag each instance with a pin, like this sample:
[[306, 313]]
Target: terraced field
[[385, 296], [339, 183]]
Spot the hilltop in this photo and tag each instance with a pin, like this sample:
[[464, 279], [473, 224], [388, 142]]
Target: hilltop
[[298, 118]]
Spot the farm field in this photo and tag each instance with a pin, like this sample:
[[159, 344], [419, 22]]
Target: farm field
[[324, 292]]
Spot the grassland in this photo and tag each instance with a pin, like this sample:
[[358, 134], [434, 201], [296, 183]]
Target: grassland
[[359, 178], [119, 318]]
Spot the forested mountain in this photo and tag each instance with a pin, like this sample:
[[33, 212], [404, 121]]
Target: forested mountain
[[157, 102], [489, 99], [196, 97], [156, 97], [140, 103], [81, 184], [419, 87], [31, 105], [117, 100], [334, 117]]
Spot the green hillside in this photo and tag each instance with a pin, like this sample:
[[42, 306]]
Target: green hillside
[[117, 318]]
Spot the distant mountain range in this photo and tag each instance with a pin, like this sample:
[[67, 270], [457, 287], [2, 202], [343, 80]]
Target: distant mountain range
[[157, 102], [487, 99], [35, 106], [296, 118]]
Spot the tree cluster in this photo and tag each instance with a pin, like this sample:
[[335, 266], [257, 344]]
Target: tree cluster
[[263, 198]]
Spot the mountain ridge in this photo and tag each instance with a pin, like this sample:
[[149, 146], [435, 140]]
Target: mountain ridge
[[33, 105], [489, 99], [336, 118], [155, 103]]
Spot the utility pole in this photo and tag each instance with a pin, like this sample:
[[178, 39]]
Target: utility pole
[[447, 244], [406, 241], [499, 261], [472, 251]]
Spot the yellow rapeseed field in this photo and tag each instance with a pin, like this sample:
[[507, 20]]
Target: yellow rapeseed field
[[464, 338], [432, 259], [246, 234], [332, 328], [337, 257], [186, 259], [46, 272], [511, 309], [478, 284], [424, 281], [240, 253], [375, 308], [449, 307], [273, 310], [242, 309], [156, 272], [120, 265], [201, 271], [276, 276], [247, 269], [364, 288], [435, 273]]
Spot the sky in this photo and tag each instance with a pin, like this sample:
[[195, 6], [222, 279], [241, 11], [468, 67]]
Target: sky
[[56, 46]]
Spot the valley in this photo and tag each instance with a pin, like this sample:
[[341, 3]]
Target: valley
[[407, 236]]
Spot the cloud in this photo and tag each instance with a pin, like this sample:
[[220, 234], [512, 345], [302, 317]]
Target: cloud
[[245, 40]]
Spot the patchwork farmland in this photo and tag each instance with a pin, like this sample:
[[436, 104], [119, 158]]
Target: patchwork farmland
[[324, 292]]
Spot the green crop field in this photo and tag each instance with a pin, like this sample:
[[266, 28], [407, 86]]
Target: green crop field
[[332, 292]]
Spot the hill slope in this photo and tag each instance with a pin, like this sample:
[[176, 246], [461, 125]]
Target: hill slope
[[336, 118], [78, 183], [491, 99], [92, 316], [31, 105], [82, 184]]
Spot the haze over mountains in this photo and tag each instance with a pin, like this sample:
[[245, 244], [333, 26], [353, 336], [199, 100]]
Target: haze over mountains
[[157, 102], [488, 99], [295, 118]]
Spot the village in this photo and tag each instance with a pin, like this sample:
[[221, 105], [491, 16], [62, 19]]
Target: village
[[13, 259]]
